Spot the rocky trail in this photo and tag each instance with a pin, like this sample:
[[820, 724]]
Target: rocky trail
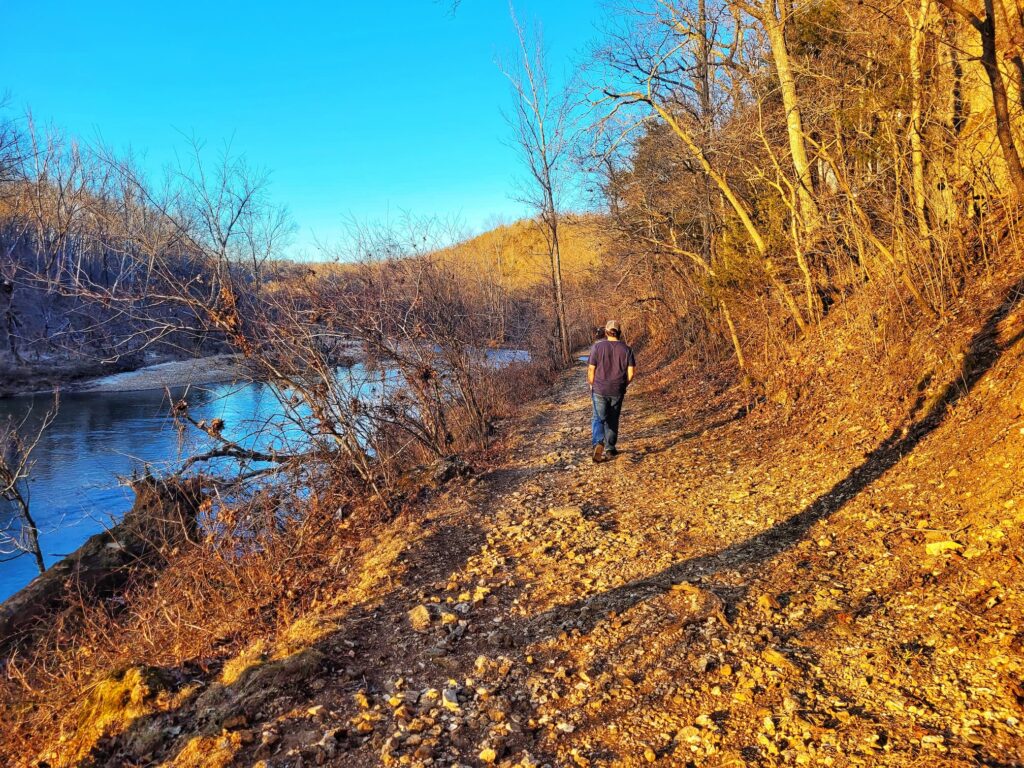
[[732, 589]]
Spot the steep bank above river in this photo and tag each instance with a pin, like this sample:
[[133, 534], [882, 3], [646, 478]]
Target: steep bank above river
[[162, 518]]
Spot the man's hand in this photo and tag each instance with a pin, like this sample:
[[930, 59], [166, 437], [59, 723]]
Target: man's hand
[[630, 373], [591, 369]]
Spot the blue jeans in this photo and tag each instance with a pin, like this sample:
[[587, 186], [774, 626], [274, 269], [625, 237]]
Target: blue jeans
[[605, 425]]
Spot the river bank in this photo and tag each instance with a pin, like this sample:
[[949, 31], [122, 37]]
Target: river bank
[[99, 440], [114, 427], [215, 369], [163, 516], [46, 376]]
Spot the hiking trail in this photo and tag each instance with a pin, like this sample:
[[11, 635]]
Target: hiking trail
[[729, 590]]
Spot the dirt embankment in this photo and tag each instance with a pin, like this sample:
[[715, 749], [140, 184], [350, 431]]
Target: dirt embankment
[[835, 582], [163, 517], [42, 377]]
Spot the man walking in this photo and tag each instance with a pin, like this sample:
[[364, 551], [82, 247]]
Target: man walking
[[610, 369]]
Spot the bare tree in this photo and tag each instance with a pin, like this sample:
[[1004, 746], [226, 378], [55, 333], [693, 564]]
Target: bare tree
[[774, 17], [918, 26], [670, 69], [542, 124], [985, 26], [20, 534]]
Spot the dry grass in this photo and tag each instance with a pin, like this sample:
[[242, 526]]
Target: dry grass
[[237, 590], [516, 254]]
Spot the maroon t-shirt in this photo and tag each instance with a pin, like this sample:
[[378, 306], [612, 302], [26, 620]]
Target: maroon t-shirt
[[610, 360]]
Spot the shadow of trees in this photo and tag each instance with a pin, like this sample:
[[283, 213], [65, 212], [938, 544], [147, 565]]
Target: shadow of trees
[[983, 351]]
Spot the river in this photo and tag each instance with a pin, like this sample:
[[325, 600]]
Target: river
[[98, 438]]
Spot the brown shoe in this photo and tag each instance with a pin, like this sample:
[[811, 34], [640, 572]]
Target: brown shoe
[[599, 453]]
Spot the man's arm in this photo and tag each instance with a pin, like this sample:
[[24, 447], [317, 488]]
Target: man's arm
[[630, 372], [591, 360]]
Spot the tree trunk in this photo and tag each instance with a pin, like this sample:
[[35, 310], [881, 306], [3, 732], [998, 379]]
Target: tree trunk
[[1012, 16], [703, 84], [1000, 101], [917, 29], [775, 27], [733, 336], [805, 269], [10, 321], [32, 533], [556, 280], [787, 296]]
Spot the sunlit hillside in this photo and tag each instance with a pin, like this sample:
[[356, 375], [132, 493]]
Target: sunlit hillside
[[514, 256], [518, 253]]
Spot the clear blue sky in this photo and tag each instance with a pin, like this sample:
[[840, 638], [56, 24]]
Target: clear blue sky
[[356, 108]]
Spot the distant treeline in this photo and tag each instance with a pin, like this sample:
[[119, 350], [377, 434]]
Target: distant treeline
[[84, 259]]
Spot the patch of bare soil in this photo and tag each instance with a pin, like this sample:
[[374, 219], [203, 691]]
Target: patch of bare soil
[[732, 589]]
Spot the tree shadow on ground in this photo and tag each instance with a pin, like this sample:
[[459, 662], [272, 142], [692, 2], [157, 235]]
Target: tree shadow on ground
[[444, 550], [740, 412], [983, 352]]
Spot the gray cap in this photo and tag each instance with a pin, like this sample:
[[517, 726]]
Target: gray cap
[[613, 325]]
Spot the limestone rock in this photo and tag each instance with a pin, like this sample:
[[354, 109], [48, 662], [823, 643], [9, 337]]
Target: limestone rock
[[419, 618]]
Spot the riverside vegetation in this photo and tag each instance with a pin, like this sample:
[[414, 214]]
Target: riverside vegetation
[[808, 218]]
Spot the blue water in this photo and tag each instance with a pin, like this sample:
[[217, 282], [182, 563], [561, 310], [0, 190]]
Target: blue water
[[99, 438], [96, 440]]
